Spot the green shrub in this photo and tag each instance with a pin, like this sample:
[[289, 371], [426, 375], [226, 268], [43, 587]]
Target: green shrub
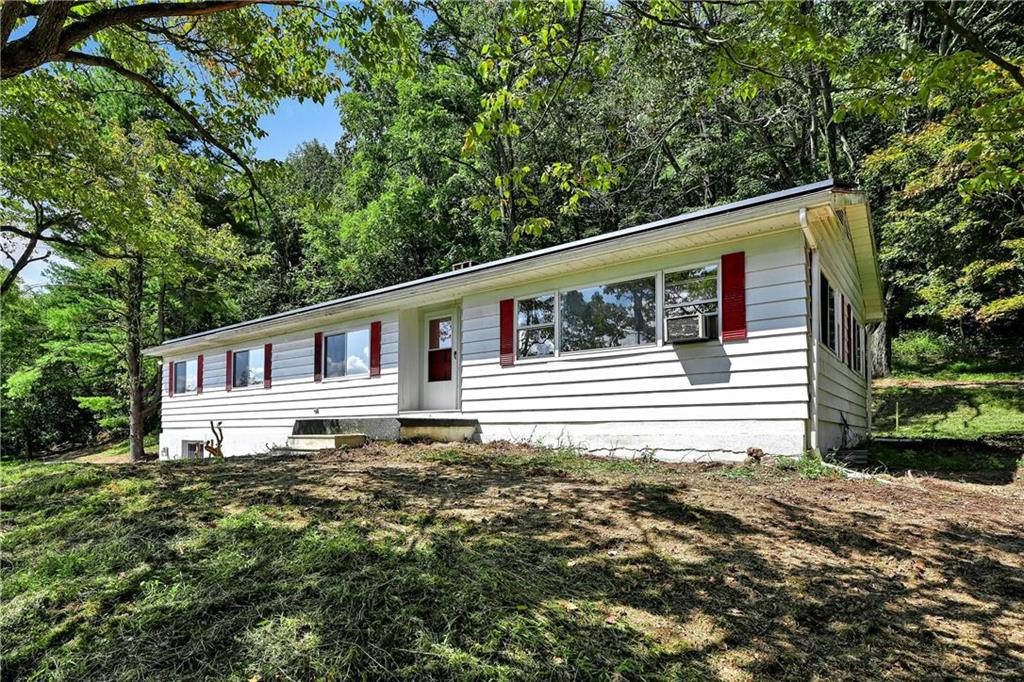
[[921, 349], [809, 466]]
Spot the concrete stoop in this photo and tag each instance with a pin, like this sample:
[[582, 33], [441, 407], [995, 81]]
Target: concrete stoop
[[311, 435], [314, 442]]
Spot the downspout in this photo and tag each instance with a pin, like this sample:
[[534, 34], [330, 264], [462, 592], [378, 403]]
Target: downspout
[[812, 331]]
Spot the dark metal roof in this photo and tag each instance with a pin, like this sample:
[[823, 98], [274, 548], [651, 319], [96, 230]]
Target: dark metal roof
[[568, 246]]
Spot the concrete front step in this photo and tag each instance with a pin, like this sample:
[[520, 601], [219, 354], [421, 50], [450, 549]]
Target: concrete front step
[[434, 427], [439, 431], [312, 442]]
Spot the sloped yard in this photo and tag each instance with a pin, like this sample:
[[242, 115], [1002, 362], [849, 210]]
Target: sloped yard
[[501, 562]]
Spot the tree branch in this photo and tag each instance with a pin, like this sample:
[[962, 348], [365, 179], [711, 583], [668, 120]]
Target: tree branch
[[50, 38], [207, 136], [975, 43], [10, 12], [57, 239]]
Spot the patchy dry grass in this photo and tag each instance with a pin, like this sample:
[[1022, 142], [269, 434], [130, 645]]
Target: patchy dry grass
[[499, 562]]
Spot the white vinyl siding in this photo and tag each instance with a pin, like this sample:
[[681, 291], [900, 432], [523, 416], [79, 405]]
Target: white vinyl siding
[[842, 391], [705, 400], [254, 419]]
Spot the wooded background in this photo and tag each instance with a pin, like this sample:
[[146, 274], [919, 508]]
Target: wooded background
[[471, 131]]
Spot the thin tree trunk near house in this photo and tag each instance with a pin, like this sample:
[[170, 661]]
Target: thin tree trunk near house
[[881, 338], [831, 146], [161, 313], [812, 115], [881, 350], [133, 355]]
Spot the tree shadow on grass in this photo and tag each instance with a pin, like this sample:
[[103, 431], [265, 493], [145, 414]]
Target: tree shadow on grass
[[950, 411], [331, 569], [988, 461]]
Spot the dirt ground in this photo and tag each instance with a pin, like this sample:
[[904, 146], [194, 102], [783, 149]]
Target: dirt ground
[[903, 577], [505, 562]]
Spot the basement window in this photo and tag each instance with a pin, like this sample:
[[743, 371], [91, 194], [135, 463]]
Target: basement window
[[192, 449]]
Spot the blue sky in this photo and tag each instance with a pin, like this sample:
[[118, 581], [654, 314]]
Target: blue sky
[[294, 123]]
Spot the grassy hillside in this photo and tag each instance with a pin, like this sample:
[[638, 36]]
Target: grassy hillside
[[500, 562], [944, 410], [958, 410]]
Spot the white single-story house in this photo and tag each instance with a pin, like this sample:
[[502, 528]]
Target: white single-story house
[[693, 337]]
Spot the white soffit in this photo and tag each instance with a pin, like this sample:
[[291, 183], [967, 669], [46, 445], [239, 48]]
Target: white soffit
[[674, 234]]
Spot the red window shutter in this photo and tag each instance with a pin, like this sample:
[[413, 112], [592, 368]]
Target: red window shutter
[[229, 372], [170, 379], [375, 349], [849, 336], [318, 356], [734, 297], [507, 323], [199, 374], [842, 327], [268, 350]]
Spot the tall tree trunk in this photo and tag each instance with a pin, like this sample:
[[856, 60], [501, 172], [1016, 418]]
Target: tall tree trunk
[[812, 115], [881, 346], [133, 354], [833, 133], [881, 339], [828, 111], [161, 313]]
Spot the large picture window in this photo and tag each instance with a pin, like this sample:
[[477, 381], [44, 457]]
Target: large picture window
[[347, 354], [185, 377], [536, 321], [247, 367], [692, 292], [608, 315]]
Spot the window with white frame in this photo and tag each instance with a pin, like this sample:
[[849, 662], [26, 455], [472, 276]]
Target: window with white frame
[[247, 367], [693, 292], [185, 376], [535, 319], [347, 354], [608, 315]]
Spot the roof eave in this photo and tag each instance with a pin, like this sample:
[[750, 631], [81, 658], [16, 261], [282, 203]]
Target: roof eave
[[694, 222]]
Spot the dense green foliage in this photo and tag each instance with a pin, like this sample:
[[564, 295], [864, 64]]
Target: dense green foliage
[[473, 131]]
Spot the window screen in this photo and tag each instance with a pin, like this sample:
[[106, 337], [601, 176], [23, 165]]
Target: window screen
[[689, 292], [185, 376], [535, 319]]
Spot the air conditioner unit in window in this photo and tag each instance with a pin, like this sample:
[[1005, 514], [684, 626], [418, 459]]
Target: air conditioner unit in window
[[685, 328]]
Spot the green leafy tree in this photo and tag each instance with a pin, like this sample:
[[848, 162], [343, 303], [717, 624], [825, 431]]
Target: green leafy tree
[[127, 198]]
